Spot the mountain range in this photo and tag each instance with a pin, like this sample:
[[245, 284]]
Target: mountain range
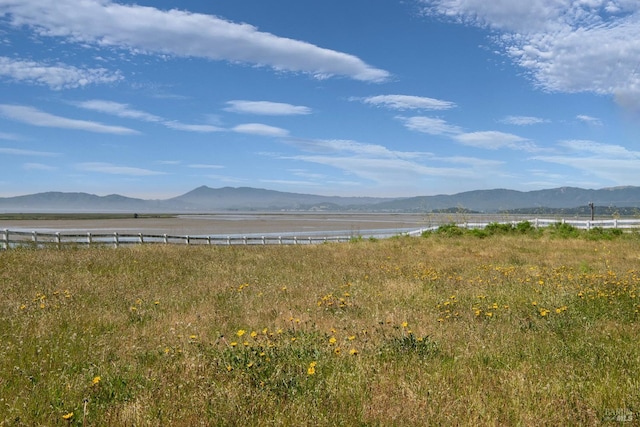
[[205, 199]]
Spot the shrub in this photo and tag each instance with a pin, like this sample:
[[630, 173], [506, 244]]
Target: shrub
[[498, 228], [450, 230], [563, 230]]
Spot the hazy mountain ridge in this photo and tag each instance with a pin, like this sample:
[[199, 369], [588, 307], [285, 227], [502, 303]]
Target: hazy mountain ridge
[[206, 199]]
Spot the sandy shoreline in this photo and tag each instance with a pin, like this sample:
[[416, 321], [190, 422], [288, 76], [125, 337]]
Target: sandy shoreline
[[232, 224]]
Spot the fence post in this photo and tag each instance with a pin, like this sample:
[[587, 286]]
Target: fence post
[[615, 223], [187, 239], [35, 238], [141, 238], [295, 240], [5, 240], [209, 240], [165, 239], [89, 238], [57, 240], [116, 241], [279, 240], [263, 242], [228, 240], [244, 239]]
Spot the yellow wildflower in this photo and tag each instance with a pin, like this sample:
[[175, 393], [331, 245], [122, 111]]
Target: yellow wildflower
[[353, 352], [96, 380], [67, 416], [241, 332], [332, 340]]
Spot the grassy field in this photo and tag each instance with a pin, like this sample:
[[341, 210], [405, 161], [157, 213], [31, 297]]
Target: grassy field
[[504, 329]]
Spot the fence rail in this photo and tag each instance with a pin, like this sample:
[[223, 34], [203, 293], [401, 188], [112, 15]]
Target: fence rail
[[624, 224], [9, 238]]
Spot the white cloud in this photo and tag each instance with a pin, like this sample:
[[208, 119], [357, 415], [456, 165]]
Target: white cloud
[[38, 167], [407, 102], [430, 125], [383, 170], [191, 127], [118, 109], [35, 117], [22, 152], [108, 168], [566, 45], [606, 150], [124, 111], [260, 129], [332, 146], [181, 33], [266, 108], [493, 140], [9, 136], [589, 120], [57, 77], [523, 120], [203, 166], [614, 163]]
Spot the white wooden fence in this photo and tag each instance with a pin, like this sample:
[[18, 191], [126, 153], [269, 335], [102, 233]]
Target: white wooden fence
[[624, 224], [9, 238]]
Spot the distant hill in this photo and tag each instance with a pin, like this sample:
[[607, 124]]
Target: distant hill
[[247, 198], [206, 199], [501, 200]]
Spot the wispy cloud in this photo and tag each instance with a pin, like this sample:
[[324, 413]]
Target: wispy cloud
[[260, 129], [611, 162], [35, 117], [181, 33], [406, 102], [38, 167], [493, 140], [266, 108], [22, 152], [204, 166], [589, 120], [57, 77], [567, 46], [118, 109], [523, 120], [490, 140], [592, 147], [333, 146], [108, 168], [125, 111], [9, 136], [389, 168], [430, 125], [191, 127]]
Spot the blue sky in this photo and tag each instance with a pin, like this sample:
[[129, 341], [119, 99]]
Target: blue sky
[[352, 98]]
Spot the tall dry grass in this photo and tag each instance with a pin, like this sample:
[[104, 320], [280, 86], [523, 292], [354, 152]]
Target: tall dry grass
[[505, 330]]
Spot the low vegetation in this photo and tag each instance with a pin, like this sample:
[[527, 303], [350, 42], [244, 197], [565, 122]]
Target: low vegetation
[[519, 327]]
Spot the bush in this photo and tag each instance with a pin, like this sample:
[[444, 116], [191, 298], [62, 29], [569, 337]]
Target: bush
[[450, 230], [563, 230], [498, 228]]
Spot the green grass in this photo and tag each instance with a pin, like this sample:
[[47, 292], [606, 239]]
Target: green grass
[[510, 329]]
